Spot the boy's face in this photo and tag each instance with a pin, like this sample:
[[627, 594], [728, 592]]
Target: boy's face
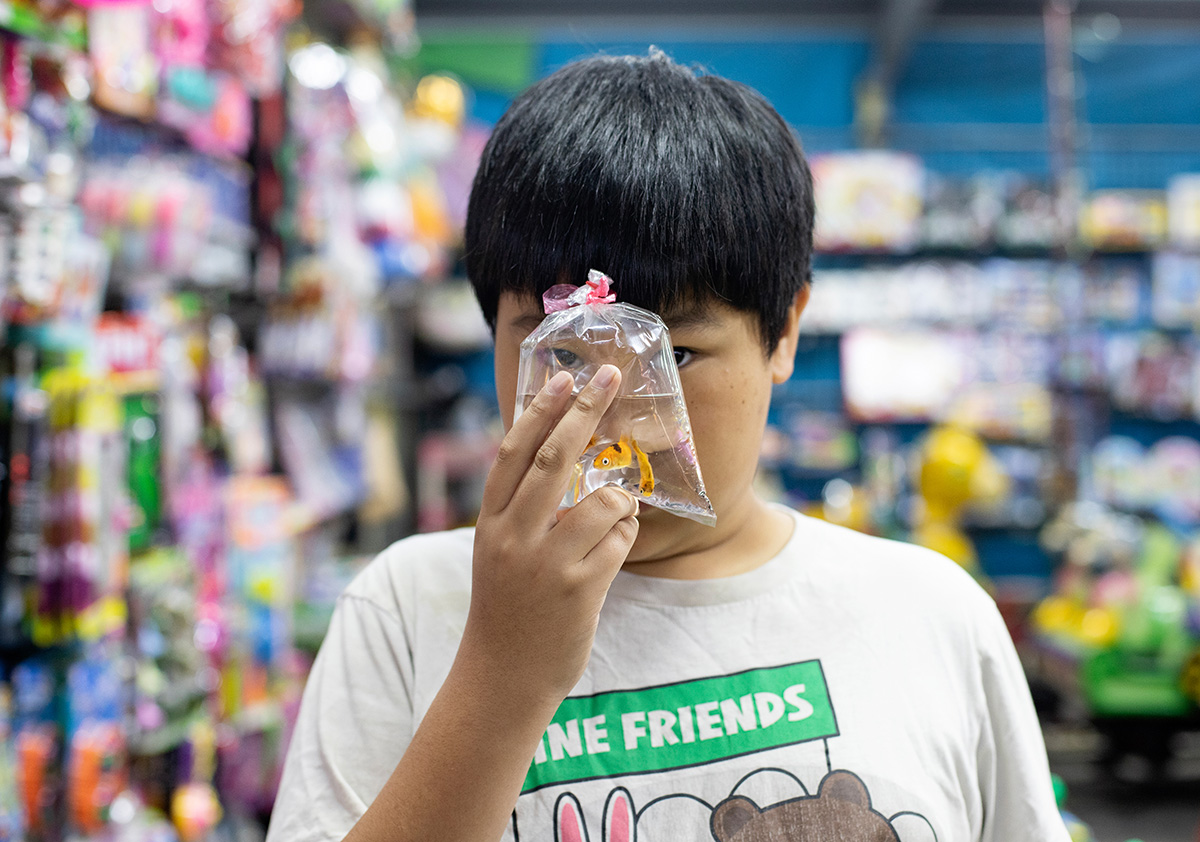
[[726, 378]]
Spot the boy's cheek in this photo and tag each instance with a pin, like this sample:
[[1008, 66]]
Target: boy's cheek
[[506, 398], [727, 427], [507, 361]]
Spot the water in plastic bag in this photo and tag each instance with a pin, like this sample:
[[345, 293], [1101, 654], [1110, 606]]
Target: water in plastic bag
[[643, 443]]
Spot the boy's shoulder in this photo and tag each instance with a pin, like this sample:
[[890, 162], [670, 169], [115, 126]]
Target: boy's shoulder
[[884, 567], [423, 564]]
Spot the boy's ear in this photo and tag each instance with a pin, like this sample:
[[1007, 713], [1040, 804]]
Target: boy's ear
[[783, 359]]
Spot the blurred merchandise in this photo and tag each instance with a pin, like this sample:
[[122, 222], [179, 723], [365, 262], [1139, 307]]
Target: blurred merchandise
[[364, 183], [119, 45], [1124, 220], [246, 40], [961, 214], [994, 382], [1183, 210], [83, 557], [180, 471], [1113, 293], [236, 400], [96, 765], [11, 819], [171, 218], [877, 201], [1030, 220], [1163, 479], [1118, 637], [870, 201], [812, 440], [1175, 301], [1154, 374], [451, 482], [37, 742], [1030, 293], [261, 565], [448, 319], [844, 504], [894, 376], [321, 327]]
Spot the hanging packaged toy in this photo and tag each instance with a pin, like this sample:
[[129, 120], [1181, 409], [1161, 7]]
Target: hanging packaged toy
[[643, 443], [11, 822]]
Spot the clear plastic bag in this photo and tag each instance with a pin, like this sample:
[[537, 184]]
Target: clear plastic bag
[[643, 443]]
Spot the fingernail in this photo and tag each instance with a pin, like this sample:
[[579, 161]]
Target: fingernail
[[559, 383], [605, 376]]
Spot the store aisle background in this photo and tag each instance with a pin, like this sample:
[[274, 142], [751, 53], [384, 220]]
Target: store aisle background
[[1119, 809], [234, 277]]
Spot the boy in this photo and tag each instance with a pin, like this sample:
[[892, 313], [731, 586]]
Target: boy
[[610, 673]]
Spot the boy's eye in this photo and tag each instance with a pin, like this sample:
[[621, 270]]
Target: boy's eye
[[565, 358], [683, 356]]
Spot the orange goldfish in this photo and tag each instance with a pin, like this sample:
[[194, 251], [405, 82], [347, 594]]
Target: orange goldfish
[[621, 455]]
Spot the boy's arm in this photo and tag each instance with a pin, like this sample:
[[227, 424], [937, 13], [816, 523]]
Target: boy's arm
[[359, 693], [1014, 776], [538, 584]]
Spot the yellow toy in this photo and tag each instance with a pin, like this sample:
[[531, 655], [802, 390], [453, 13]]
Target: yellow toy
[[442, 98], [955, 470]]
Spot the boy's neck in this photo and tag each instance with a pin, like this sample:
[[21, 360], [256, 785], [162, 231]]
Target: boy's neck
[[747, 536]]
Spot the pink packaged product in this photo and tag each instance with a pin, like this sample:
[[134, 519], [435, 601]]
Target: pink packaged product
[[643, 443]]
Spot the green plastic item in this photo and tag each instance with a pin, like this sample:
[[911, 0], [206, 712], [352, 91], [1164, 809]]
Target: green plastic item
[[1060, 790], [501, 62], [24, 19], [1116, 685], [145, 458]]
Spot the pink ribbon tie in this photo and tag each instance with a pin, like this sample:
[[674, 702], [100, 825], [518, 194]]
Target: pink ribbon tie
[[598, 290]]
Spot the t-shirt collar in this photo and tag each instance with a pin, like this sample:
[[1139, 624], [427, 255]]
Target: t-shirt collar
[[782, 567]]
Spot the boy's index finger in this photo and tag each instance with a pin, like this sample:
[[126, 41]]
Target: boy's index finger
[[544, 483], [527, 434]]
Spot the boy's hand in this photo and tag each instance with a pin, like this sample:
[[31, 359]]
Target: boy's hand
[[539, 580]]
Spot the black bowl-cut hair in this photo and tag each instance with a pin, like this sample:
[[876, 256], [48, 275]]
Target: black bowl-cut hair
[[684, 188]]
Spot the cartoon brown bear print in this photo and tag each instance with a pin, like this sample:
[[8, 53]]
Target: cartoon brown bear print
[[839, 812]]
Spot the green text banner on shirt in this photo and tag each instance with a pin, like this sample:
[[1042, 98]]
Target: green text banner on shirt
[[671, 726]]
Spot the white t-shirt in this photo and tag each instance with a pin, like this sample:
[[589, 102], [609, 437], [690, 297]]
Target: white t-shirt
[[851, 688]]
